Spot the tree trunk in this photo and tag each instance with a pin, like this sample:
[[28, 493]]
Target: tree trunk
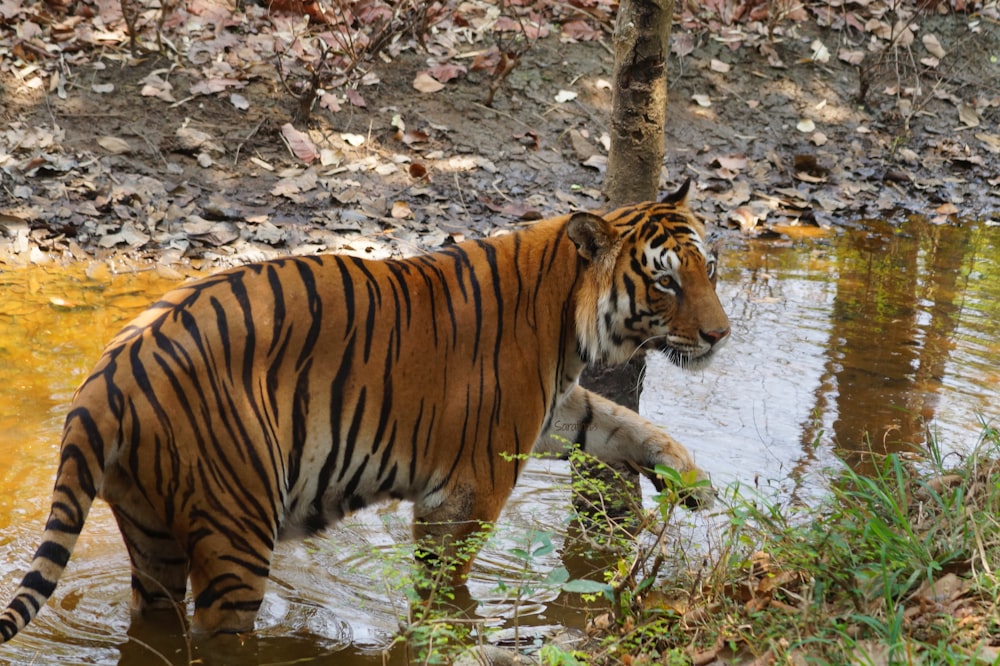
[[639, 109], [639, 100]]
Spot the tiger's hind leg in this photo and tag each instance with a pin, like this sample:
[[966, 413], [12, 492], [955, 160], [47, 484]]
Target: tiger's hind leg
[[450, 533], [228, 574], [159, 564]]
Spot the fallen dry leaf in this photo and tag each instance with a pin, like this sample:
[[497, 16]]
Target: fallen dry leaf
[[820, 53], [212, 86], [732, 162], [239, 101], [968, 115], [299, 143], [154, 86], [353, 139], [851, 56], [426, 83], [191, 139], [400, 210], [114, 145], [412, 136], [329, 102], [417, 170], [991, 141], [355, 98], [447, 71], [580, 30], [719, 66], [933, 46]]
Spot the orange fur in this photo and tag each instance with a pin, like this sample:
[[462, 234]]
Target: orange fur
[[272, 399]]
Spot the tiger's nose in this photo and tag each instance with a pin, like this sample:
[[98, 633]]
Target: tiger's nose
[[714, 337]]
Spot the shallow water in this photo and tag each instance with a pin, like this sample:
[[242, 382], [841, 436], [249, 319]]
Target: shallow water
[[844, 347], [883, 332]]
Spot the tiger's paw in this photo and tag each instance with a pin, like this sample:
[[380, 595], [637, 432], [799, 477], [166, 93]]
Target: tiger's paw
[[691, 488]]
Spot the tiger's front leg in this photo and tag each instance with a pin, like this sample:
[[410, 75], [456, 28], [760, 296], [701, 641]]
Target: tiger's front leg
[[615, 434]]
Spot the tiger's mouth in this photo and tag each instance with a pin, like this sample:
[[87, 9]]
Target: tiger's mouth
[[689, 357]]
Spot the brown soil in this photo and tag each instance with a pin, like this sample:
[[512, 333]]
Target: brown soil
[[924, 140]]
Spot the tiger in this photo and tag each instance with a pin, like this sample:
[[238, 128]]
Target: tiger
[[268, 401]]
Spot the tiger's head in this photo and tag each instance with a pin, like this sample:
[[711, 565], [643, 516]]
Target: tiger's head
[[650, 284]]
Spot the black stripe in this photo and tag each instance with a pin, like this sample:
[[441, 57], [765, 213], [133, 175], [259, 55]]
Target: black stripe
[[299, 416], [278, 298], [84, 478], [34, 580], [347, 280], [352, 432], [336, 405], [54, 552], [315, 304], [370, 320]]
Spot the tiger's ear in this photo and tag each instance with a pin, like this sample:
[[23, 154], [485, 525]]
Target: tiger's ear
[[592, 234], [680, 196]]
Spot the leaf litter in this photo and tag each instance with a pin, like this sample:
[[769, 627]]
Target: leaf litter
[[267, 132]]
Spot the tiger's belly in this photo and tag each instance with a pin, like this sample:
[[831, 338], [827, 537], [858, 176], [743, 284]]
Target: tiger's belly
[[312, 507]]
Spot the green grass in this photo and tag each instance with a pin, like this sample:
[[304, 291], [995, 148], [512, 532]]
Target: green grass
[[894, 567], [897, 567]]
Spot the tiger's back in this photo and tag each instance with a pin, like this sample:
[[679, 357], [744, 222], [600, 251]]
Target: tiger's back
[[272, 399]]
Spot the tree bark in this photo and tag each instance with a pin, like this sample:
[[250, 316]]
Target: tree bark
[[639, 100], [638, 116]]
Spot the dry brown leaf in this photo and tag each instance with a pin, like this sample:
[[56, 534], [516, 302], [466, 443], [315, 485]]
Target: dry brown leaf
[[329, 102], [412, 136], [154, 86], [851, 56], [192, 139], [968, 115], [114, 145], [295, 183], [447, 71], [400, 210], [417, 170], [742, 218], [580, 31], [682, 44], [355, 98], [719, 66], [991, 141], [933, 46], [299, 143], [820, 53], [212, 86], [732, 162], [239, 101], [426, 83]]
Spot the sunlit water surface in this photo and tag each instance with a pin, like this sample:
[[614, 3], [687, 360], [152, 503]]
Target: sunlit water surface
[[844, 346]]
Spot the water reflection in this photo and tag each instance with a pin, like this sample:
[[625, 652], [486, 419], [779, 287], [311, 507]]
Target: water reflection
[[857, 344]]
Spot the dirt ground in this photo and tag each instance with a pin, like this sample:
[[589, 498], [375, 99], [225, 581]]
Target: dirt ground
[[171, 157]]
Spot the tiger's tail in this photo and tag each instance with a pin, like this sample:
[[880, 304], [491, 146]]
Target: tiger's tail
[[81, 472]]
